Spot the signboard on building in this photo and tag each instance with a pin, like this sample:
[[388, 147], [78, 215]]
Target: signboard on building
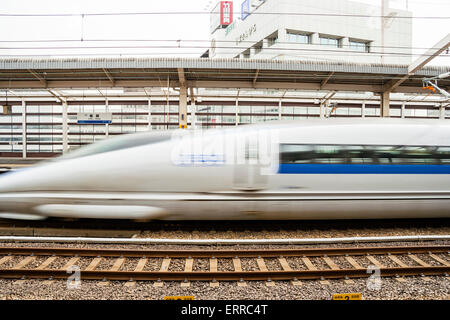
[[245, 9], [94, 118], [221, 15]]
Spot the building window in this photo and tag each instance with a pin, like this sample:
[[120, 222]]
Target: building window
[[298, 37], [332, 42], [359, 46], [272, 40], [258, 47]]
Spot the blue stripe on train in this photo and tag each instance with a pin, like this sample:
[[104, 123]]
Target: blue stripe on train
[[299, 168]]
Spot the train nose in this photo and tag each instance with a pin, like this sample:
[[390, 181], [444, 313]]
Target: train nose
[[11, 181]]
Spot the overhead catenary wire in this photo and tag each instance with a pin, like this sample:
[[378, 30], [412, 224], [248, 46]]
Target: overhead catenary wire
[[303, 50], [209, 13], [179, 41]]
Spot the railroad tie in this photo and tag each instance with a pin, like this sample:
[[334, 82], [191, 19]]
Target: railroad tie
[[334, 266], [46, 263], [21, 265], [5, 259], [139, 268], [375, 261], [312, 267], [164, 267], [70, 263], [93, 264], [213, 268], [286, 267], [238, 268], [435, 257], [24, 262], [353, 262], [421, 262], [401, 264], [262, 267], [187, 268], [116, 267]]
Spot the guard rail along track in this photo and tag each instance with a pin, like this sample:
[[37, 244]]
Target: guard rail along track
[[318, 263]]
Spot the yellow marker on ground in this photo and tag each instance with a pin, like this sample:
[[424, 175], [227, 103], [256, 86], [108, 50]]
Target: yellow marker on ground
[[347, 296], [179, 298]]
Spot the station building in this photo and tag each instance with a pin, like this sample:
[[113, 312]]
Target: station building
[[318, 30]]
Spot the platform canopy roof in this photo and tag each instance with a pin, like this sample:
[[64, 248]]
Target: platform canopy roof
[[66, 73]]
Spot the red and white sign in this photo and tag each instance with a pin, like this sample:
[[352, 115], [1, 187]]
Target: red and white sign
[[221, 15], [226, 13]]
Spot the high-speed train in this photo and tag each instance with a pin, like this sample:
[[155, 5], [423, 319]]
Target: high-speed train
[[312, 169]]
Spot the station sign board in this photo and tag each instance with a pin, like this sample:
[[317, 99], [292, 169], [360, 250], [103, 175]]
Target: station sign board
[[94, 117], [221, 15]]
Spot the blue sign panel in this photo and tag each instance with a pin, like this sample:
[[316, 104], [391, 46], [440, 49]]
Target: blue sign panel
[[245, 9], [94, 121]]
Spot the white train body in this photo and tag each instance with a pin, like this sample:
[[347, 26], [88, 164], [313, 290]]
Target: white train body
[[325, 169]]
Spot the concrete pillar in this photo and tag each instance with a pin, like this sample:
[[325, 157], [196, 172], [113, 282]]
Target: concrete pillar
[[65, 128], [182, 109], [363, 110], [345, 43], [315, 38], [282, 37], [107, 125], [280, 111], [193, 116], [442, 112], [322, 111], [237, 112], [403, 110], [384, 106], [24, 129], [149, 114]]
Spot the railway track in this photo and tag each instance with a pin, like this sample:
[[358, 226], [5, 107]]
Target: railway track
[[285, 264]]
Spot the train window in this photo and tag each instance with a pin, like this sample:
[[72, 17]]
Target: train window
[[443, 154], [351, 154], [296, 153]]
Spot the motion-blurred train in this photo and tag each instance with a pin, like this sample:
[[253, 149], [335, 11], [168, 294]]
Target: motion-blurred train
[[324, 169]]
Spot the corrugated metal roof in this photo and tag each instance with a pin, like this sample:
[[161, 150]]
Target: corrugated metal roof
[[200, 63]]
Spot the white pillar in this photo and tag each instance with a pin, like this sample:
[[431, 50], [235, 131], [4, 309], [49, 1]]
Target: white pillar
[[322, 111], [24, 129], [442, 112], [282, 37], [403, 111], [363, 110], [149, 114], [182, 108], [315, 38], [65, 127], [107, 125], [279, 110], [237, 112]]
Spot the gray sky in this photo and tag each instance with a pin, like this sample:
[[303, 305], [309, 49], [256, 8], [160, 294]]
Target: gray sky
[[426, 33]]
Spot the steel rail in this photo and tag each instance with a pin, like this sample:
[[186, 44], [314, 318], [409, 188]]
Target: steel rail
[[312, 241], [223, 276], [199, 253]]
